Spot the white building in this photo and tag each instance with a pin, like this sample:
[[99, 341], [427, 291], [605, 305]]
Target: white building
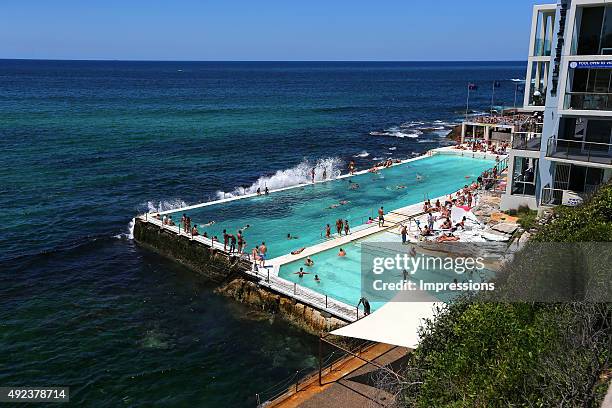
[[569, 79]]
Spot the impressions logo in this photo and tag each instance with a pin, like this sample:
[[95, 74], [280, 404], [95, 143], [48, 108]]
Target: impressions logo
[[398, 272]]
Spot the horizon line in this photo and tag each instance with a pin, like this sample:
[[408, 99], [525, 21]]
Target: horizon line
[[236, 60]]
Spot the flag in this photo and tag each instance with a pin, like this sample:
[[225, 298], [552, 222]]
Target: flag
[[472, 86], [496, 84]]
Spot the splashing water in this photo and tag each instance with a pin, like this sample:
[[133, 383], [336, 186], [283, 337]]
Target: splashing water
[[299, 174]]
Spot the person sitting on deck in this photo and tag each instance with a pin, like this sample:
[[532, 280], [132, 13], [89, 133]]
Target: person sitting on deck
[[194, 230], [342, 252], [460, 224], [370, 220], [446, 225], [426, 232], [169, 220], [309, 262], [298, 251], [205, 234]]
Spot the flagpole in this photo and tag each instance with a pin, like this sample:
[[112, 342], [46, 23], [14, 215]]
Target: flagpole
[[515, 91], [467, 103], [492, 97]]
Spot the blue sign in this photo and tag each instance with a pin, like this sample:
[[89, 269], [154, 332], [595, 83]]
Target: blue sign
[[590, 64]]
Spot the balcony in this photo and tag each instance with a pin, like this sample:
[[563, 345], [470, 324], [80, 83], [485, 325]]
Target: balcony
[[579, 151], [588, 101], [526, 141]]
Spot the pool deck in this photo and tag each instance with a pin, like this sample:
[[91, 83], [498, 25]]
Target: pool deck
[[268, 276]]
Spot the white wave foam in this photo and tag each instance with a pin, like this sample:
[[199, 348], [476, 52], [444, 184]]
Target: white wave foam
[[299, 174], [393, 148], [362, 154], [377, 158], [165, 205], [130, 231]]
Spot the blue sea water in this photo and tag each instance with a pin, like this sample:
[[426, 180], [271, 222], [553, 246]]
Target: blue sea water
[[84, 146]]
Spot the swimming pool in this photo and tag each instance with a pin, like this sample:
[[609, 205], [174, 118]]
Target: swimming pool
[[303, 212], [340, 277]]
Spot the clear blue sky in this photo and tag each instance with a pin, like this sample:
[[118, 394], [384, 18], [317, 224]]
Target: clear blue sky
[[266, 29]]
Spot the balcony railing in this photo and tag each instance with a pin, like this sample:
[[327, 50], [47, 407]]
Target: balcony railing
[[526, 141], [578, 150], [588, 100]]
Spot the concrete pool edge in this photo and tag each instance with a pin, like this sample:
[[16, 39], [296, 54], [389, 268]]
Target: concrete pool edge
[[440, 150], [310, 308]]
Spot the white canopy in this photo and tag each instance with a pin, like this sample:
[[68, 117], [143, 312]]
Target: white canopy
[[396, 323]]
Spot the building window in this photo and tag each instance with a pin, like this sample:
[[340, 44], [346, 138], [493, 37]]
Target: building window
[[544, 33], [538, 83], [593, 31], [524, 176], [589, 88]]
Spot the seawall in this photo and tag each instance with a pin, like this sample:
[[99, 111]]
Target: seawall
[[230, 273]]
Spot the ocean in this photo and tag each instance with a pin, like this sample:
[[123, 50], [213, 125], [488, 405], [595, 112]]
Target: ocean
[[87, 145]]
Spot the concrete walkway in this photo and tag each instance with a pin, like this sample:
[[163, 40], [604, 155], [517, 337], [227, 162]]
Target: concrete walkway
[[351, 383]]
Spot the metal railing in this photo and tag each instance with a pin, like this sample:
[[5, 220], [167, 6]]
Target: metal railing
[[592, 152], [551, 196], [526, 141], [588, 100]]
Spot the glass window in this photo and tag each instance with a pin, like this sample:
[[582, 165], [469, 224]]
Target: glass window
[[606, 34], [590, 30], [524, 176]]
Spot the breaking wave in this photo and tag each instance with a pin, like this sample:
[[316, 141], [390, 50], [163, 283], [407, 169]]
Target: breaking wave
[[165, 205], [299, 174], [362, 154]]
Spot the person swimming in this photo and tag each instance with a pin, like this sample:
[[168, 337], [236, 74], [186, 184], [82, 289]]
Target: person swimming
[[301, 273], [289, 236], [316, 278], [309, 262], [342, 252], [208, 224]]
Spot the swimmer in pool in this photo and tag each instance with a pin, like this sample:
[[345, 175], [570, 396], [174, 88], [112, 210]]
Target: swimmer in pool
[[298, 251], [209, 223], [301, 273], [289, 236], [342, 252], [309, 262], [317, 278]]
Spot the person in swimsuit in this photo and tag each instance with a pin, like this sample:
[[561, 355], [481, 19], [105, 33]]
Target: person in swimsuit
[[346, 227], [342, 252], [312, 174], [225, 240], [194, 230], [301, 273], [298, 251], [317, 278], [262, 254], [327, 231], [240, 242], [381, 217], [309, 262]]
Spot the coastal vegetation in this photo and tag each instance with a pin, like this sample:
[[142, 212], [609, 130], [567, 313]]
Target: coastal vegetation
[[551, 348]]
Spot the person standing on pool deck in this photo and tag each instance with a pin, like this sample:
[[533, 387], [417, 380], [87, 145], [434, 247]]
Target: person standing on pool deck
[[339, 225], [327, 231], [430, 221], [346, 227], [262, 254], [404, 232], [312, 174], [381, 217], [240, 241], [225, 240], [324, 174]]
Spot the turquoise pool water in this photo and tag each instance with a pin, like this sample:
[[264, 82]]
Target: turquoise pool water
[[303, 212], [340, 277]]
